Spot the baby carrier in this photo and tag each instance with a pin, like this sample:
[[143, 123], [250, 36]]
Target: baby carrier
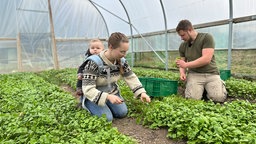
[[97, 59]]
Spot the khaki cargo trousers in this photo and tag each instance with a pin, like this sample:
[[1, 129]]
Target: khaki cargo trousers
[[197, 82]]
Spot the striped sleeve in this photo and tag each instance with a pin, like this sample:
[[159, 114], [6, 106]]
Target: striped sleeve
[[132, 80]]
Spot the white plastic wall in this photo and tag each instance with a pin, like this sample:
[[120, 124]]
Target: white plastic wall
[[26, 24]]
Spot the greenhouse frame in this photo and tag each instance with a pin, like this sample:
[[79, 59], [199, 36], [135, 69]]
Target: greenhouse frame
[[37, 35], [155, 86]]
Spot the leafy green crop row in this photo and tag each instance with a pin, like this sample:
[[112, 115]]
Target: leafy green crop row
[[35, 111], [67, 76], [197, 121], [202, 122], [236, 87], [142, 72], [241, 88]]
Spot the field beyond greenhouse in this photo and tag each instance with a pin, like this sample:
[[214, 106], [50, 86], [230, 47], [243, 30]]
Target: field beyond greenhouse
[[36, 109]]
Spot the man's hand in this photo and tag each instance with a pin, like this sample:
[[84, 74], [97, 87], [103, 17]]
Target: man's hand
[[183, 77], [144, 97], [181, 63]]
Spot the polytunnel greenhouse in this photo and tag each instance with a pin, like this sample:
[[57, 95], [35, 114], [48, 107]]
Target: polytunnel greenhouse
[[43, 43]]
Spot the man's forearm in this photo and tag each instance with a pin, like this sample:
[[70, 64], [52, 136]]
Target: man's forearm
[[182, 70], [198, 63]]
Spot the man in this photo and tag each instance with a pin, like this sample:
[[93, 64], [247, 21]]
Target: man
[[197, 56]]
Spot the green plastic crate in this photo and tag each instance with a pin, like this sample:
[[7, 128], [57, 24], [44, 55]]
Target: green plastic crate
[[225, 74], [157, 87]]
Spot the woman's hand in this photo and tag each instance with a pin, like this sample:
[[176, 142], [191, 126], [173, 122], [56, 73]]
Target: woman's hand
[[79, 76], [114, 99], [79, 92], [144, 97]]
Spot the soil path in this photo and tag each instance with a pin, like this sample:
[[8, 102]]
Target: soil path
[[129, 127]]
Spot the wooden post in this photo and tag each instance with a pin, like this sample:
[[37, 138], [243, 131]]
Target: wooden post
[[2, 38], [54, 49], [19, 55]]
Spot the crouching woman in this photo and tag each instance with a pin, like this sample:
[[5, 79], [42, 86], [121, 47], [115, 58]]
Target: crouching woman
[[101, 73]]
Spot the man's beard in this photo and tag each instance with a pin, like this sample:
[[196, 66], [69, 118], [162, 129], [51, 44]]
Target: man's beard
[[190, 41]]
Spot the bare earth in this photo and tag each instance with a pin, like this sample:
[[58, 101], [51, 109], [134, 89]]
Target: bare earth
[[129, 127]]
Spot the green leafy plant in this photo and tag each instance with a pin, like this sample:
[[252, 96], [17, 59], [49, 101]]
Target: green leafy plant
[[192, 120], [36, 111], [241, 88]]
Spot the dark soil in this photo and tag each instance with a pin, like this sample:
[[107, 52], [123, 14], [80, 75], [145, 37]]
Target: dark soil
[[143, 135], [67, 88], [129, 127]]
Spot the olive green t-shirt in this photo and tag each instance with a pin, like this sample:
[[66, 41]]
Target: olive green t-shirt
[[194, 51]]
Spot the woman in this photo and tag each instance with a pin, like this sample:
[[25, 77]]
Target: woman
[[100, 82]]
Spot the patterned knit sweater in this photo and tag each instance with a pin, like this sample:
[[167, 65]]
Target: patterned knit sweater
[[98, 84]]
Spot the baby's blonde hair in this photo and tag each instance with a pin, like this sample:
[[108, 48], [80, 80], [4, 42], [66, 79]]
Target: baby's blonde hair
[[95, 40]]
